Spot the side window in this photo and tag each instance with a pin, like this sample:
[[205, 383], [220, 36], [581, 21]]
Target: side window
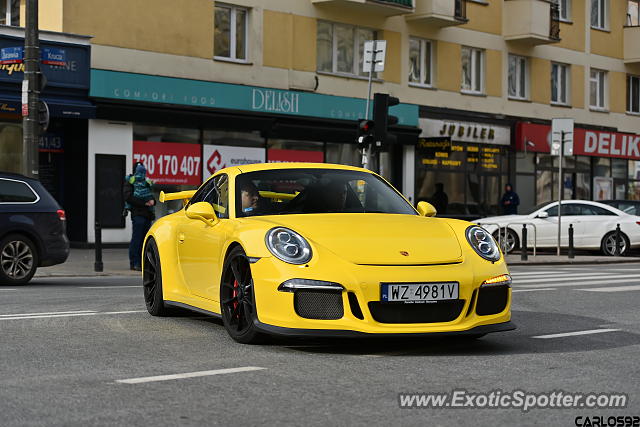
[[553, 211], [597, 210], [219, 196], [13, 191], [568, 209]]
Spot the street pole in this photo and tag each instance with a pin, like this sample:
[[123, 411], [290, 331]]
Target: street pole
[[366, 151], [30, 124], [560, 188]]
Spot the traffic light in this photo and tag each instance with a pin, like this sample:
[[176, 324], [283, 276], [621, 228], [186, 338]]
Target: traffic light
[[365, 133], [381, 104]]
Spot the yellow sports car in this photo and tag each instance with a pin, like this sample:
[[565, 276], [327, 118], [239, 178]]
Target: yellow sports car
[[307, 249]]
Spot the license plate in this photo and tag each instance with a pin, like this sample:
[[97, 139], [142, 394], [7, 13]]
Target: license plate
[[419, 292]]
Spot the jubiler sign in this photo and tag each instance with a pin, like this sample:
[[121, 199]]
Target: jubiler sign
[[585, 142], [481, 133]]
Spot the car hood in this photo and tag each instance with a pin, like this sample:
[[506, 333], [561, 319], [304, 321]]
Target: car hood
[[377, 239]]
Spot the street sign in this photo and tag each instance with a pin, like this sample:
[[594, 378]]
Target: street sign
[[380, 47], [562, 132], [53, 56], [11, 55]]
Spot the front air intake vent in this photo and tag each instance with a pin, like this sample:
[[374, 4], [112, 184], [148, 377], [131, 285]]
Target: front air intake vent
[[320, 305]]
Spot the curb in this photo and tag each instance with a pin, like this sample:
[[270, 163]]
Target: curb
[[574, 261]]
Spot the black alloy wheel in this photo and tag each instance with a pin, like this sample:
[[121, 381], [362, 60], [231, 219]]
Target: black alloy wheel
[[18, 260], [237, 300], [152, 280], [608, 245]]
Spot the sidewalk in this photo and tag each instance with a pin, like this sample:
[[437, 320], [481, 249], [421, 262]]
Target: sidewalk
[[116, 262]]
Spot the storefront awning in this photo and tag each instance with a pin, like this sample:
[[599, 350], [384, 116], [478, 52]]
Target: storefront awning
[[61, 107]]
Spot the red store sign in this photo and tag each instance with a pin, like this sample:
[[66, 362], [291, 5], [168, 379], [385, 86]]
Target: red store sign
[[585, 142], [276, 155], [170, 162]]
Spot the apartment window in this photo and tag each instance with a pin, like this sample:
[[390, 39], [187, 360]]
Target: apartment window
[[597, 89], [341, 48], [518, 77], [420, 61], [599, 14], [559, 84], [230, 38], [10, 12], [472, 70], [633, 13], [564, 7], [633, 89]]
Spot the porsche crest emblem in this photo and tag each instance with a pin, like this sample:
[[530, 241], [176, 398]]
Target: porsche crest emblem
[[404, 253]]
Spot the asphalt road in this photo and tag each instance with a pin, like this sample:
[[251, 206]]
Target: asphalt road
[[68, 343]]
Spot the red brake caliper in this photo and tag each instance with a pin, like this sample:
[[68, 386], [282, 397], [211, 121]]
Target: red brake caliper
[[235, 294]]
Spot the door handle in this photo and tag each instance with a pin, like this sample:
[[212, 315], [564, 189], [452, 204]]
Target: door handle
[[181, 237]]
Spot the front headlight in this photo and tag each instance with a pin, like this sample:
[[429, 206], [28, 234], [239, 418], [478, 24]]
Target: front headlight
[[288, 246], [483, 243]]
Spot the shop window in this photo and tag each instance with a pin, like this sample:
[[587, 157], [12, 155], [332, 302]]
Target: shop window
[[285, 150], [11, 147], [602, 167], [10, 12], [560, 84], [343, 154], [599, 14], [633, 94], [230, 35], [633, 190], [597, 89], [544, 185], [165, 134], [583, 163], [634, 169], [238, 139], [472, 70], [340, 48], [420, 62], [518, 77], [633, 13], [619, 168], [445, 191]]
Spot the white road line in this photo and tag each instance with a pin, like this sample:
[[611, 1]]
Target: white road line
[[573, 334], [517, 273], [578, 283], [52, 312], [532, 290], [19, 317], [189, 375], [8, 289], [108, 287], [612, 289], [578, 277]]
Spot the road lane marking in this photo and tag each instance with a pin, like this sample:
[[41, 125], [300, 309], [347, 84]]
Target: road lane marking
[[612, 289], [532, 290], [580, 277], [188, 375], [48, 313], [576, 333], [51, 316], [108, 287], [517, 273], [8, 289], [578, 283]]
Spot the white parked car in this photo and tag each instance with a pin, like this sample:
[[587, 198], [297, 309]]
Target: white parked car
[[594, 226]]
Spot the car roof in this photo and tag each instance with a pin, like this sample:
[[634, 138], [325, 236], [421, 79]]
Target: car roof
[[12, 175], [275, 166]]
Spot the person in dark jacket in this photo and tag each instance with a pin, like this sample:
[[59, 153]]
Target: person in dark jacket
[[440, 200], [139, 201], [509, 201]]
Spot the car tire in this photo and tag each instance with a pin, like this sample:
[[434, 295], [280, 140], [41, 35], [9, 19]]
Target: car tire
[[237, 299], [607, 245], [152, 280], [510, 244], [18, 260]]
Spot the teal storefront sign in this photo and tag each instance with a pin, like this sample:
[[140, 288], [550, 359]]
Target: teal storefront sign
[[197, 93]]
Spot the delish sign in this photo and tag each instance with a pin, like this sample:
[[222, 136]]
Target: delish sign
[[585, 142]]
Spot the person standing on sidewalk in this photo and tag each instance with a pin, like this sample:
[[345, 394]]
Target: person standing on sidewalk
[[510, 201], [140, 202]]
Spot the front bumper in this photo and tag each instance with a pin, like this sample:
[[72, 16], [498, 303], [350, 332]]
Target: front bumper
[[277, 315]]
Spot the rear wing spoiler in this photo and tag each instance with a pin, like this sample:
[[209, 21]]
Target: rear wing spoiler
[[181, 195]]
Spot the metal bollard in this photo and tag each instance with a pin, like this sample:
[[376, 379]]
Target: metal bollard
[[97, 265], [572, 252], [616, 250], [524, 251]]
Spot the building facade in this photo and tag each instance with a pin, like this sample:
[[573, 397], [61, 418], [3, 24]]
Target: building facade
[[193, 85]]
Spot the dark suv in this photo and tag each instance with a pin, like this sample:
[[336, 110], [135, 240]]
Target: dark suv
[[32, 229]]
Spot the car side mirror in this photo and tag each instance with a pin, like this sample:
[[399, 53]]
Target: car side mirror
[[202, 211], [426, 209], [543, 215]]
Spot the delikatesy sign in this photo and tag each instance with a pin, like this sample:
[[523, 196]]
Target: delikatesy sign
[[586, 142]]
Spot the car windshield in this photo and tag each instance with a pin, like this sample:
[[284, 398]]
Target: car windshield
[[535, 208], [303, 191]]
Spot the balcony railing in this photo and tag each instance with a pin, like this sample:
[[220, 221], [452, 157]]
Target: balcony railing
[[554, 26], [379, 7], [406, 3], [461, 10]]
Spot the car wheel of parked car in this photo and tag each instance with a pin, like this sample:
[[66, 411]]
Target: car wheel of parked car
[[609, 243], [152, 280], [237, 301], [18, 259], [508, 242]]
